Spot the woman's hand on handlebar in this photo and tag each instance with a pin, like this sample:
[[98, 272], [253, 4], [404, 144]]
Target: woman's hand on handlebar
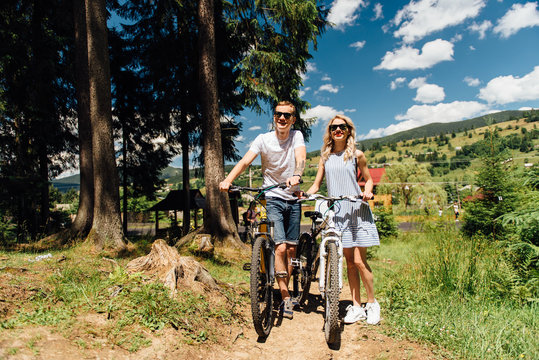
[[367, 195]]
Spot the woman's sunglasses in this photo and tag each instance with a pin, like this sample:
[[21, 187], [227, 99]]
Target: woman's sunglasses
[[278, 115], [343, 127]]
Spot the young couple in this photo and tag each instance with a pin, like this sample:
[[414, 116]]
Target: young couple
[[283, 156]]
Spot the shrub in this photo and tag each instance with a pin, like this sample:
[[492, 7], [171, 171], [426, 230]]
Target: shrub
[[385, 222]]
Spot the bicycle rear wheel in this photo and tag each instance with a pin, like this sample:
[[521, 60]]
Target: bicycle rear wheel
[[302, 274], [261, 290], [331, 325]]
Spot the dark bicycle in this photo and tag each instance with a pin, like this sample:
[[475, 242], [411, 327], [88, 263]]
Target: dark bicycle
[[262, 267]]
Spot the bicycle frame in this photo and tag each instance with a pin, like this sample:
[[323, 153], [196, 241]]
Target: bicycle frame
[[330, 234]]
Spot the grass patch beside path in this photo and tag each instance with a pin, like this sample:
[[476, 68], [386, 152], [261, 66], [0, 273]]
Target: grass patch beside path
[[444, 289], [70, 286]]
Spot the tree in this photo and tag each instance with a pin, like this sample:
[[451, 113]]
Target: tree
[[35, 103], [218, 216], [106, 232], [84, 219], [496, 194], [405, 180]]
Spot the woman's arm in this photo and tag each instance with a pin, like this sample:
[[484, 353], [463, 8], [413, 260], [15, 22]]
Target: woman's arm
[[318, 179], [362, 165]]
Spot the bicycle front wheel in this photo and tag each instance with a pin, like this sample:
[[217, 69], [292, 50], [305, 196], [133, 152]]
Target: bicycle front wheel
[[331, 325], [302, 273], [261, 288]]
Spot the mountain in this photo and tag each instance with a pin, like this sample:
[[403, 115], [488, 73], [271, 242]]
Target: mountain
[[435, 129]]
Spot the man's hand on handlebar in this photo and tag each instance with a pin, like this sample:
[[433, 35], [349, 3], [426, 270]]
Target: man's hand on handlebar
[[224, 186]]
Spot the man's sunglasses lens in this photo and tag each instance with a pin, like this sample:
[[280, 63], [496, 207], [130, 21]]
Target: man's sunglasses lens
[[286, 115], [343, 127]]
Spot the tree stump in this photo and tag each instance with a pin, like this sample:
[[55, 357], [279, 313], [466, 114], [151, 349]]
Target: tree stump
[[175, 271]]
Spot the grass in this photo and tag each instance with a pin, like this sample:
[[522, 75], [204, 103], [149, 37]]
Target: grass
[[443, 289], [59, 294]]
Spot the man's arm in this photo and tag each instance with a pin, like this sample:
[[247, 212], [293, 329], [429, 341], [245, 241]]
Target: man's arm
[[300, 154], [237, 170]]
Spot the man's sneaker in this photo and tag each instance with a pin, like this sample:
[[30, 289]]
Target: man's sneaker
[[373, 313], [354, 314], [288, 311]]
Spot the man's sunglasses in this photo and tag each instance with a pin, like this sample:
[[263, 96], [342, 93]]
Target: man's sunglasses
[[286, 115], [343, 127]]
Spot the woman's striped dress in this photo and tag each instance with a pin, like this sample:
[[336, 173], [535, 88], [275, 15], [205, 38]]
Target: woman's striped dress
[[353, 219]]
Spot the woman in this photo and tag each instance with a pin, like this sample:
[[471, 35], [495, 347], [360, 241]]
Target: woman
[[339, 161]]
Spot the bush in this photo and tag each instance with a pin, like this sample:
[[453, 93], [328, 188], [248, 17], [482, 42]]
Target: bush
[[385, 222]]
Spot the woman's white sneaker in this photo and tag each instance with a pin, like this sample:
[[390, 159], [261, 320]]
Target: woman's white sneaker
[[354, 314], [373, 313]]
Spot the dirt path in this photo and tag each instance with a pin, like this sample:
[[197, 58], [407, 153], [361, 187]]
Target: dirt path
[[300, 338], [303, 338]]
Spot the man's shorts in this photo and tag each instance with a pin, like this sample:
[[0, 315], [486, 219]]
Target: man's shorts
[[286, 216]]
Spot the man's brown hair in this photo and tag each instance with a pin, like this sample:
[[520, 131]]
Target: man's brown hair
[[281, 103]]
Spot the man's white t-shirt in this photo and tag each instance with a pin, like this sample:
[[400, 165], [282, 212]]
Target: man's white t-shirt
[[278, 160]]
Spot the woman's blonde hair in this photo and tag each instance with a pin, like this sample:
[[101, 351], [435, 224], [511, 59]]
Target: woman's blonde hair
[[327, 147]]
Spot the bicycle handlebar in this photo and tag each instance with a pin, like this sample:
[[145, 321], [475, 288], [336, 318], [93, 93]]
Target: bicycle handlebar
[[282, 185], [353, 198], [234, 188]]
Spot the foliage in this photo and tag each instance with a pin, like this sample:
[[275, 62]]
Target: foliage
[[385, 222], [459, 293], [496, 197], [404, 181]]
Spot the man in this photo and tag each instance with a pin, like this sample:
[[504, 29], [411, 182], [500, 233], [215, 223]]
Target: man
[[283, 155]]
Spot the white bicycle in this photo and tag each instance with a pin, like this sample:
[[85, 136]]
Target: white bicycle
[[330, 260]]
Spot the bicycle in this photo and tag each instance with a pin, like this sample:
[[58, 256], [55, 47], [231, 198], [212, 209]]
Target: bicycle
[[330, 259], [262, 267]]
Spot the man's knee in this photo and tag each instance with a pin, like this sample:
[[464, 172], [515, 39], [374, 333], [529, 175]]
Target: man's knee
[[280, 250]]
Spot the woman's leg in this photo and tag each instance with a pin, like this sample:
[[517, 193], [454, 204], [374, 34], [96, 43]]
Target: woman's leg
[[360, 256], [353, 275]]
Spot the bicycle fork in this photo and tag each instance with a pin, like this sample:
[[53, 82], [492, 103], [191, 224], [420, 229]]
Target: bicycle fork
[[332, 236]]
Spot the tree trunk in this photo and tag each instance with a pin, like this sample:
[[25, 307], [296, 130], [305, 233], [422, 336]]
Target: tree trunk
[[217, 215], [106, 232], [185, 173], [83, 222]]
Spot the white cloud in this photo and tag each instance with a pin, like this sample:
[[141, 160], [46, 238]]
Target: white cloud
[[397, 83], [520, 16], [456, 38], [378, 14], [253, 128], [409, 58], [423, 17], [345, 12], [303, 91], [472, 48], [326, 78], [426, 93], [358, 45], [329, 88], [508, 89], [470, 81], [481, 29], [350, 110], [419, 115], [239, 138], [321, 112], [311, 68]]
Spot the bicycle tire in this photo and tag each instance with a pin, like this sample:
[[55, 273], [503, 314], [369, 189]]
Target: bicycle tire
[[261, 291], [331, 324], [302, 277]]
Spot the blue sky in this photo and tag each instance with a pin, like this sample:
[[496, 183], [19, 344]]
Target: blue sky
[[396, 65]]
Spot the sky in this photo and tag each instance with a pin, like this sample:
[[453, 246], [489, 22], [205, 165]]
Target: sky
[[396, 65]]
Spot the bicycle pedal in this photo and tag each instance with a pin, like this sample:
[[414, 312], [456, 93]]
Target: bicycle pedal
[[295, 262], [247, 267]]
